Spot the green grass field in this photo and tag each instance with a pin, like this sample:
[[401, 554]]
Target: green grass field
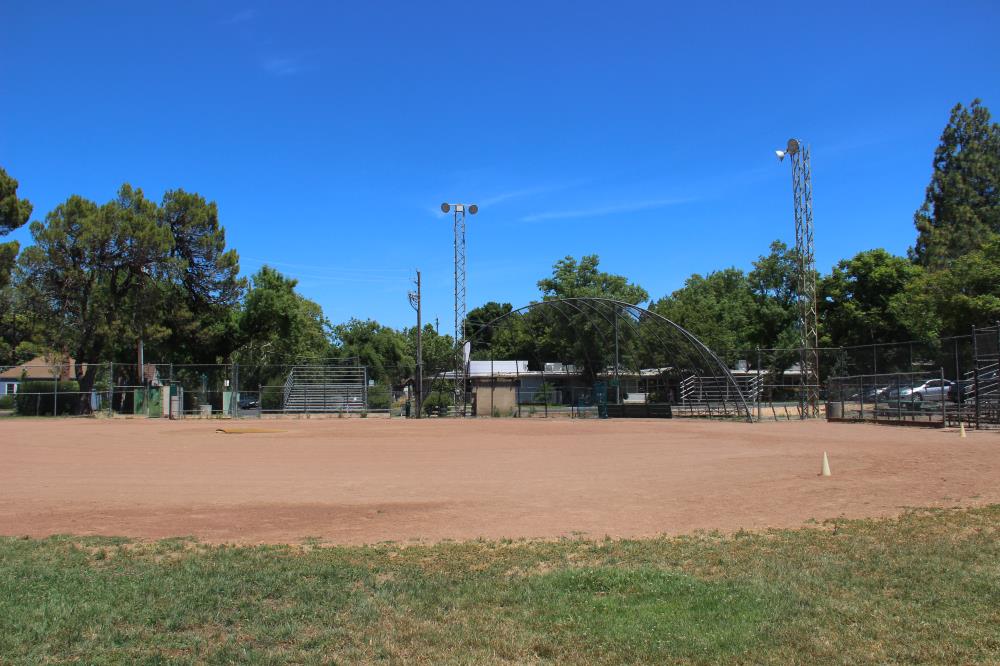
[[923, 588]]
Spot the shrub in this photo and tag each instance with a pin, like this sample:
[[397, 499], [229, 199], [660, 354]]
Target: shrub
[[379, 397], [437, 402], [6, 401], [39, 397]]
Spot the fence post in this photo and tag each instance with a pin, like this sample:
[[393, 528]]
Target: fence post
[[944, 396], [960, 399], [111, 389], [55, 391], [517, 387], [861, 396], [236, 390], [760, 387], [875, 397], [545, 397], [975, 373], [170, 394], [843, 414], [899, 400]]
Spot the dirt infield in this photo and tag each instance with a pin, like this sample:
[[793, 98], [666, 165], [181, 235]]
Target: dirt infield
[[364, 481]]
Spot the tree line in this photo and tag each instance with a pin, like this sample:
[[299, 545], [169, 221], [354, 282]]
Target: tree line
[[100, 277]]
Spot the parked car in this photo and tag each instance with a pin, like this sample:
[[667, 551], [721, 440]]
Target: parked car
[[249, 403], [901, 390], [933, 389], [869, 394]]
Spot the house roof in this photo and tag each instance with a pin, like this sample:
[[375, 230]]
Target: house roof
[[40, 367], [495, 368], [486, 369]]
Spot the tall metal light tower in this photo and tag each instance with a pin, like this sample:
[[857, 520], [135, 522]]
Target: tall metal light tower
[[459, 212], [806, 284]]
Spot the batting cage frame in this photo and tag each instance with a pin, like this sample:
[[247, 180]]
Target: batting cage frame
[[586, 357]]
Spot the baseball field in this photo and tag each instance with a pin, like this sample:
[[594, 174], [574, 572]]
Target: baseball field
[[496, 541]]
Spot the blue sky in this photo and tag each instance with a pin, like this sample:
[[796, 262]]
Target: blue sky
[[329, 133]]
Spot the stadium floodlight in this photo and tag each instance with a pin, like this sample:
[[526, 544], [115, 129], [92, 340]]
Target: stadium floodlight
[[791, 149], [806, 276], [460, 210]]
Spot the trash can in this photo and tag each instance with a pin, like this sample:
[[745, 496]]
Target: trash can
[[834, 410]]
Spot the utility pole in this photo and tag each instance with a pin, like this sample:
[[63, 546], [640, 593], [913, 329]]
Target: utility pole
[[459, 214], [806, 283], [416, 303]]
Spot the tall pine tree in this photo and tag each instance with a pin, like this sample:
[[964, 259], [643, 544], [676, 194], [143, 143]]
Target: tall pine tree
[[14, 212], [961, 210]]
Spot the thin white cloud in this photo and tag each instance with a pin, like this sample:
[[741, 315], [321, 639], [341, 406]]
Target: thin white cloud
[[242, 16], [598, 211], [281, 66], [527, 192]]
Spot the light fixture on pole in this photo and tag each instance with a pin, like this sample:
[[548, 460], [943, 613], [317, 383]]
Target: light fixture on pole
[[806, 275], [460, 343]]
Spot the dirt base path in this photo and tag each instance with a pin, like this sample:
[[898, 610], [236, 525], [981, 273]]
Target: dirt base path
[[364, 481]]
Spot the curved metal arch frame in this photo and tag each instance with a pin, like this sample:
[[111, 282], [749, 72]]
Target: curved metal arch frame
[[709, 356]]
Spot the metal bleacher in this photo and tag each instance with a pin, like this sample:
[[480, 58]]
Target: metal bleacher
[[716, 396], [326, 389]]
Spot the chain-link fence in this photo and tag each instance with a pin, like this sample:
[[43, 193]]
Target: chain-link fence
[[167, 390], [916, 398], [969, 364], [884, 382]]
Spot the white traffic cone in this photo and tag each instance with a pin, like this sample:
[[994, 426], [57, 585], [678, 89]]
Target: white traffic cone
[[826, 466], [961, 429]]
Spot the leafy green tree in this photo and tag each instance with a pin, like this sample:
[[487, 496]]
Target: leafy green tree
[[507, 338], [733, 312], [476, 321], [858, 300], [278, 326], [568, 334], [19, 333], [387, 353], [578, 279], [202, 299], [718, 309], [89, 278], [14, 213], [100, 278], [951, 301], [961, 209], [438, 350], [774, 283]]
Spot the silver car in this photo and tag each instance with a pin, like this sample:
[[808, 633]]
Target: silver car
[[933, 389]]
